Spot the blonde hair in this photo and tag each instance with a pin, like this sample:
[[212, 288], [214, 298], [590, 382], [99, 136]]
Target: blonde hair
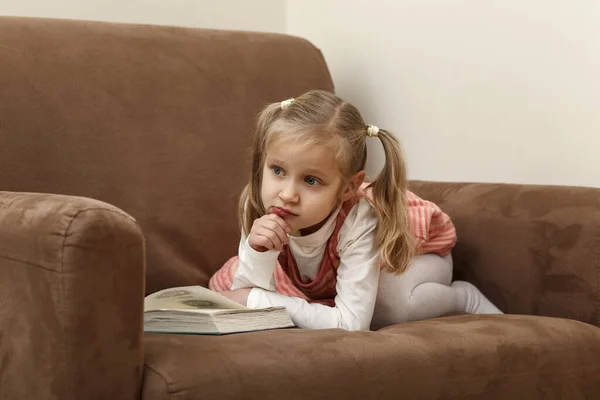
[[321, 118]]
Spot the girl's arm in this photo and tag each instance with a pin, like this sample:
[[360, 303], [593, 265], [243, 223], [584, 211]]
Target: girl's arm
[[255, 269], [357, 281]]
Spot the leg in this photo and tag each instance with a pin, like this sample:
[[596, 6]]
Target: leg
[[396, 301], [424, 291]]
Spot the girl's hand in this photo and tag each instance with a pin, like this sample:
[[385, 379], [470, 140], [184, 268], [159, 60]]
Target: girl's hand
[[239, 296], [269, 232]]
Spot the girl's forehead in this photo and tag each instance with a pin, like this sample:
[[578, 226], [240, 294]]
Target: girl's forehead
[[299, 146], [300, 142], [302, 139], [292, 152]]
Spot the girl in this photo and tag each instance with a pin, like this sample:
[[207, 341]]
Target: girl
[[335, 251]]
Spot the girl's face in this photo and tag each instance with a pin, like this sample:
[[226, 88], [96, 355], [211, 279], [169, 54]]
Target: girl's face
[[301, 184]]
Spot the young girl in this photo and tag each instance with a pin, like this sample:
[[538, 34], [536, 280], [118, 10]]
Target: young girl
[[335, 251]]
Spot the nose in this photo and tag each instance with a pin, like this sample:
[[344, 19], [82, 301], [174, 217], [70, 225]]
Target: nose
[[288, 193]]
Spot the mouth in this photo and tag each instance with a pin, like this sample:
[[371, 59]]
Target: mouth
[[283, 212]]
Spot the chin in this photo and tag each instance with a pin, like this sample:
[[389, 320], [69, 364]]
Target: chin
[[295, 227]]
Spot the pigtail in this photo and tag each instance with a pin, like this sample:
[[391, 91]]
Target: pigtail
[[250, 206], [394, 237]]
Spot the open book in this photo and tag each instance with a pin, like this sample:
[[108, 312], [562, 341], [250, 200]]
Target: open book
[[198, 310]]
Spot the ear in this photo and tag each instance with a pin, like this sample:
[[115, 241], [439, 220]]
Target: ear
[[353, 185]]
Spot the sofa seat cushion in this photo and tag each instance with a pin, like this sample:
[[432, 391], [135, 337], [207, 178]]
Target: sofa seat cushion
[[465, 356]]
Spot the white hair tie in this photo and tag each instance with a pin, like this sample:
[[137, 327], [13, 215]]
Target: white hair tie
[[286, 103], [372, 131]]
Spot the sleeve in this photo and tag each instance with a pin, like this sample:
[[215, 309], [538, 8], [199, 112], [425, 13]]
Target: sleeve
[[255, 269], [357, 280]]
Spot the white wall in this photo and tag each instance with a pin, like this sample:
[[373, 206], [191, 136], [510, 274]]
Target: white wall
[[254, 15], [477, 90], [494, 90]]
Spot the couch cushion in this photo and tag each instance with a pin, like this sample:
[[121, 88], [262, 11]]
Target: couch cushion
[[491, 357]]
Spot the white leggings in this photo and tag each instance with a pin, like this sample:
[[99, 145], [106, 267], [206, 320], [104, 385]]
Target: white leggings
[[425, 290]]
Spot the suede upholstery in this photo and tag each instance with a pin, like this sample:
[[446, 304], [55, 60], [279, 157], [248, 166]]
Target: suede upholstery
[[123, 149], [473, 357], [154, 120], [71, 288], [532, 249]]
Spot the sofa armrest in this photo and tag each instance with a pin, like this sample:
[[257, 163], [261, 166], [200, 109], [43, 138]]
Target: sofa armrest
[[532, 249], [71, 299]]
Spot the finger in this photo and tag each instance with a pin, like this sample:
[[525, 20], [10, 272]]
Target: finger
[[276, 228], [266, 239], [259, 244], [261, 240], [272, 236], [280, 221], [276, 243]]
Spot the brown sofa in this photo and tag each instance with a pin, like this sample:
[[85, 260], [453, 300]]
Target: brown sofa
[[122, 153]]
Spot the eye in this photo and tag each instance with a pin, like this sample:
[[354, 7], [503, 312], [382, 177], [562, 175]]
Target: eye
[[312, 181], [277, 170]]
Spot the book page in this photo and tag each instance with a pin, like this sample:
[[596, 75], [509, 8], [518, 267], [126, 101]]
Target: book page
[[189, 297]]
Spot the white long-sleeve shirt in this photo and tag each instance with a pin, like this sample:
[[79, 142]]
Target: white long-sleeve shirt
[[357, 274]]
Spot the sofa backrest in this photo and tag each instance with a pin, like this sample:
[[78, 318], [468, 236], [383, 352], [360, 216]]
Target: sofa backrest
[[155, 120]]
